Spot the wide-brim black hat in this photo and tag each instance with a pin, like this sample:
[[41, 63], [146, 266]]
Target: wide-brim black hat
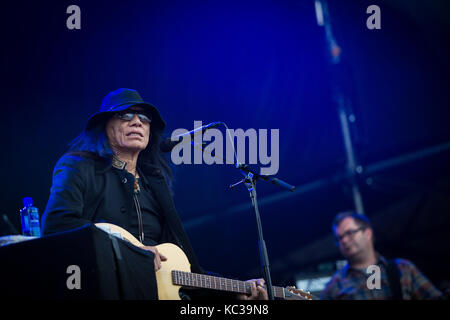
[[122, 99]]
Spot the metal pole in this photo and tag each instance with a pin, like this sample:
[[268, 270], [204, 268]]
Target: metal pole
[[323, 19], [352, 167]]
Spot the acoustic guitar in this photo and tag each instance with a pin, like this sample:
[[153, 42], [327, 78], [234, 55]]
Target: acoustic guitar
[[175, 273]]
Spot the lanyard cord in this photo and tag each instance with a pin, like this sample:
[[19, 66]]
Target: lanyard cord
[[139, 214]]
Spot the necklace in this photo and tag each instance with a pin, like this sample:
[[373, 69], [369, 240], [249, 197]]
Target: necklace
[[137, 187]]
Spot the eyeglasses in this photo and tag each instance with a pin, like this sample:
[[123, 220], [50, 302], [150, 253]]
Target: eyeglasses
[[349, 233], [128, 115]]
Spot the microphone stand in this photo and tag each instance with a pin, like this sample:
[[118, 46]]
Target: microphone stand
[[250, 178]]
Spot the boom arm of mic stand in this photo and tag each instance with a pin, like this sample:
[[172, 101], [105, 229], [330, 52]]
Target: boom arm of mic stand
[[275, 181]]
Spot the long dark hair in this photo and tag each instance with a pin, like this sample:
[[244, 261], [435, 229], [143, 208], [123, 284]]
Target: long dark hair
[[95, 142]]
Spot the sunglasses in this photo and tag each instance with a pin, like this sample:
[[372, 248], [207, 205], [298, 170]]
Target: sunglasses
[[128, 115]]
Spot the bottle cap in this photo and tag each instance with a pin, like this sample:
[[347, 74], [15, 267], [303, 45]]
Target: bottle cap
[[27, 201]]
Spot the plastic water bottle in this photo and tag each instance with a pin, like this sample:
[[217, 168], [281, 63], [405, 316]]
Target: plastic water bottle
[[29, 218]]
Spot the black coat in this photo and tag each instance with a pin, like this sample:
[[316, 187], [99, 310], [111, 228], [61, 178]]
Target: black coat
[[86, 190]]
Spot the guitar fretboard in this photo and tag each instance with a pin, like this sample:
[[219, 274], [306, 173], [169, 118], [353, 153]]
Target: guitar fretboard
[[197, 280]]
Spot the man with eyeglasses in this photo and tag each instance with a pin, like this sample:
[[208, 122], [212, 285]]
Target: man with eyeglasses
[[399, 279], [115, 172]]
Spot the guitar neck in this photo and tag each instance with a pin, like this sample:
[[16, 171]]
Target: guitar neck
[[197, 280]]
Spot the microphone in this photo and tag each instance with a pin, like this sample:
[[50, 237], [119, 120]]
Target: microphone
[[168, 144]]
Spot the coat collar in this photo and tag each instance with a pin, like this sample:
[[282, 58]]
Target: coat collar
[[147, 168], [117, 163]]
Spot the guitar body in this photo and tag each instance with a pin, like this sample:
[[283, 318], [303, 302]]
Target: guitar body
[[176, 260]]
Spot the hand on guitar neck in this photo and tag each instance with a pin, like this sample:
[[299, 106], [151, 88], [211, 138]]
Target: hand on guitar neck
[[158, 256], [258, 291]]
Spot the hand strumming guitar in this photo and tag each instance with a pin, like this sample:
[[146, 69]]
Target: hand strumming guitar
[[158, 256]]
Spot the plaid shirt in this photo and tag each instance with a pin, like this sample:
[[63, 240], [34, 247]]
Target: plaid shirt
[[350, 283]]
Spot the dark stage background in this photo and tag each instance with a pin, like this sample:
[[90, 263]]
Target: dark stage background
[[260, 64]]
